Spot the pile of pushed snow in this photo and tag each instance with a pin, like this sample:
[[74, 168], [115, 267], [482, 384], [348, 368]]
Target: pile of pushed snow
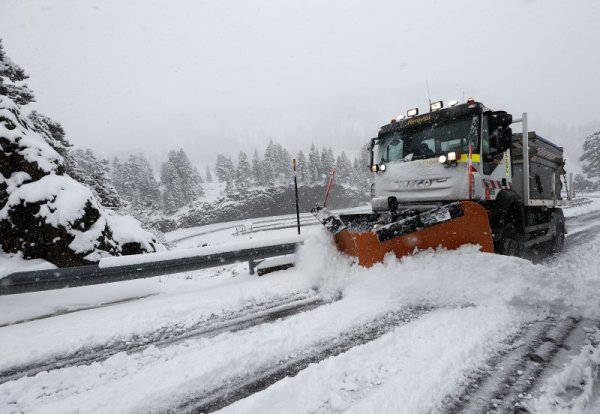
[[45, 213], [566, 284]]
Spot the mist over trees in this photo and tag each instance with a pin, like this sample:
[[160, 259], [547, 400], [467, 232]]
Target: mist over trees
[[275, 168], [132, 184]]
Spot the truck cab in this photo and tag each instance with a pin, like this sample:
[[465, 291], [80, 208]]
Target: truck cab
[[449, 154]]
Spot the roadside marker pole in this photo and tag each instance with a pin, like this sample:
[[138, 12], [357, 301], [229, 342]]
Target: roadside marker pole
[[296, 191]]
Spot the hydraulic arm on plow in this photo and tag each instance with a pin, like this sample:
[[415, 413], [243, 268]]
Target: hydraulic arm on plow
[[455, 176]]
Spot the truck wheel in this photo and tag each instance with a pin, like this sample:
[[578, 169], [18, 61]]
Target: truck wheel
[[558, 242], [511, 243]]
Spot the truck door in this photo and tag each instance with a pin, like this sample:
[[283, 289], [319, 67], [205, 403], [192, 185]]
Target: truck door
[[491, 158]]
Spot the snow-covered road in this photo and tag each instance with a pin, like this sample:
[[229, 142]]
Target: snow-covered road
[[406, 336]]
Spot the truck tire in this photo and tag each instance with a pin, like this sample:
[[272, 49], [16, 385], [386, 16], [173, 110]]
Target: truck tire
[[557, 243], [511, 243]]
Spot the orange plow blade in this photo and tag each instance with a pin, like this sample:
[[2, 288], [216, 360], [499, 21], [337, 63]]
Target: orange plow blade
[[448, 226]]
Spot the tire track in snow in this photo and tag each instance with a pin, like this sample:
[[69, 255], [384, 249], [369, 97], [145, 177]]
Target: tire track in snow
[[78, 309], [238, 388], [513, 373], [235, 321], [582, 229]]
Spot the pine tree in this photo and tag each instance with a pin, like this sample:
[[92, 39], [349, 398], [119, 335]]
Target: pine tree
[[243, 173], [209, 178], [303, 171], [223, 169], [314, 164], [591, 156], [146, 192], [270, 164], [95, 173], [285, 166], [189, 177], [134, 180], [52, 132], [119, 179], [344, 169], [356, 173], [11, 76], [327, 162], [257, 173], [231, 176], [173, 194], [181, 181]]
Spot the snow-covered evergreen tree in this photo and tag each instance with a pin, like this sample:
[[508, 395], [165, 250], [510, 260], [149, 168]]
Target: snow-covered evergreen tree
[[327, 163], [172, 195], [284, 169], [314, 164], [257, 173], [302, 169], [591, 156], [191, 181], [223, 169], [52, 132], [343, 167], [95, 173], [270, 164], [146, 192], [45, 213], [135, 182], [180, 180], [243, 173], [11, 78]]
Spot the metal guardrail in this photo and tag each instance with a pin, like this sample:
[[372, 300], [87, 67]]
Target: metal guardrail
[[22, 282]]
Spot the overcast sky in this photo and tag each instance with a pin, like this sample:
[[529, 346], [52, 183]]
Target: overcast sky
[[224, 75]]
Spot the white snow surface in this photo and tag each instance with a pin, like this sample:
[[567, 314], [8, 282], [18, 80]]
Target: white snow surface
[[571, 390], [14, 262], [479, 300]]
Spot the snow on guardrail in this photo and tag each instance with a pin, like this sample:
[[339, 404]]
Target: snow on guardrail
[[196, 252]]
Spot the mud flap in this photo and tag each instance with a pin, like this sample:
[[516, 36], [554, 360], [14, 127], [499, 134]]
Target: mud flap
[[448, 226]]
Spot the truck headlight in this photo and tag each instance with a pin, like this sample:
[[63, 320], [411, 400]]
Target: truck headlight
[[442, 159], [382, 167], [452, 156]]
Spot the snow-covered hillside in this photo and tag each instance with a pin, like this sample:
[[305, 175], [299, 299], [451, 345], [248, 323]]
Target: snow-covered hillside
[[415, 335]]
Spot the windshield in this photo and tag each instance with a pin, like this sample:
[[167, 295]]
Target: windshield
[[429, 141]]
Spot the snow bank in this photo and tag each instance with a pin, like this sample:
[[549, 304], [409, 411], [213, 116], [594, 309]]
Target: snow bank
[[566, 284]]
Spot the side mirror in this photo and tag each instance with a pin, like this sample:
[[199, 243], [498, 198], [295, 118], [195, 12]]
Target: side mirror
[[504, 139], [500, 131]]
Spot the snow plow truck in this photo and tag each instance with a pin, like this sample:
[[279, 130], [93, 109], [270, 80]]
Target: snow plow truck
[[453, 176]]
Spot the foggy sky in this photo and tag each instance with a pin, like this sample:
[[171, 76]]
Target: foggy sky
[[220, 76]]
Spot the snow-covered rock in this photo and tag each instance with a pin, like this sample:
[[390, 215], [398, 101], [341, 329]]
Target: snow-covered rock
[[47, 214]]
